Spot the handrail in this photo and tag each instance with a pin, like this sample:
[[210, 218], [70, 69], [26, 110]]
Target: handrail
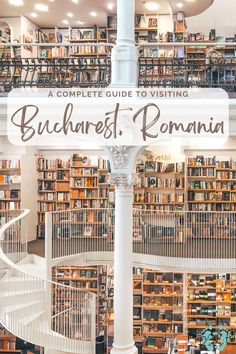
[[53, 331]]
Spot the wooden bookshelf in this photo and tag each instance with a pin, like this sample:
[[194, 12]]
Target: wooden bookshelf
[[71, 184], [10, 185], [162, 185], [210, 301], [7, 342]]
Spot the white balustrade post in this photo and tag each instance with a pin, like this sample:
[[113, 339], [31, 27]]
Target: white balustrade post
[[123, 264], [124, 55], [48, 258]]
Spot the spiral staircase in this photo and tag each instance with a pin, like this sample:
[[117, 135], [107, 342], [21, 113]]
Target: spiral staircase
[[25, 298]]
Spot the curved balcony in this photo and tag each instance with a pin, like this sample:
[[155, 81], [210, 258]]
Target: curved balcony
[[174, 241], [180, 71]]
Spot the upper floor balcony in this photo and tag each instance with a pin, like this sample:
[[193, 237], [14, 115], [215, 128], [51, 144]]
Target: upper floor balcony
[[189, 66], [175, 240]]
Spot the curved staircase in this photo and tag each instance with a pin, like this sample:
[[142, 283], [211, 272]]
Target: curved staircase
[[26, 299]]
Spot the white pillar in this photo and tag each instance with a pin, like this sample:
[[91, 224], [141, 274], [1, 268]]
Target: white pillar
[[123, 264], [124, 55]]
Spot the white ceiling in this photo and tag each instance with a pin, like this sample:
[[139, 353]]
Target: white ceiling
[[58, 10]]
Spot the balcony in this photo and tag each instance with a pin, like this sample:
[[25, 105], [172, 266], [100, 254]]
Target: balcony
[[181, 240], [191, 69]]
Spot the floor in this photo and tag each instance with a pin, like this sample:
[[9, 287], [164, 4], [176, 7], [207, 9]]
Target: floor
[[192, 248], [37, 247]]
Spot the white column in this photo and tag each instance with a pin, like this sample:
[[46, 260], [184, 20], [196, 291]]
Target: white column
[[125, 55], [123, 265]]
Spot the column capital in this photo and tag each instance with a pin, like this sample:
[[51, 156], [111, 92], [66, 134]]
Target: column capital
[[126, 180], [121, 156]]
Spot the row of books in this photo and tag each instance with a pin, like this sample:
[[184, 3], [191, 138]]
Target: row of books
[[83, 182], [202, 185], [201, 172], [160, 167], [154, 198], [10, 179], [48, 164], [62, 186], [94, 203], [7, 205], [10, 164], [196, 196], [226, 174], [10, 194], [46, 186], [45, 207], [104, 165], [83, 193], [201, 161], [84, 171]]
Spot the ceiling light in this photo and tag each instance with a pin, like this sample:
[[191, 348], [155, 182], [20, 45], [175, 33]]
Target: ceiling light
[[69, 14], [152, 6], [51, 0], [16, 2], [41, 7], [75, 1], [179, 5], [66, 22], [110, 6], [81, 22], [33, 14], [93, 13]]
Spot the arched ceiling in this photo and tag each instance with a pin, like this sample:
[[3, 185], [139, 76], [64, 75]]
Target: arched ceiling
[[81, 10]]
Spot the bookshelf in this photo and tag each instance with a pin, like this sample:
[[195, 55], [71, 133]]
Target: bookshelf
[[5, 37], [76, 184], [93, 279], [211, 300], [7, 342], [10, 185], [159, 308], [162, 186]]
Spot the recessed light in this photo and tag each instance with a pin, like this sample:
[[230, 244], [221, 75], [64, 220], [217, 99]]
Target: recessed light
[[66, 22], [110, 6], [51, 0], [16, 2], [81, 22], [69, 14], [179, 5], [41, 7], [93, 13], [152, 6], [33, 14], [75, 1]]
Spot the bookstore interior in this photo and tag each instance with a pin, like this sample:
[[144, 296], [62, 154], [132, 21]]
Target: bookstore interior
[[174, 310]]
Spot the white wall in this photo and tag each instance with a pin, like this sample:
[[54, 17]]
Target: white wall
[[29, 187], [165, 23], [26, 27], [221, 15], [15, 25]]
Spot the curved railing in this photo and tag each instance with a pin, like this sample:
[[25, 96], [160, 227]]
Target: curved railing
[[181, 240], [36, 309]]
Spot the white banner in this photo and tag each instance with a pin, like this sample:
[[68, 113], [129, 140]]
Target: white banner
[[107, 117]]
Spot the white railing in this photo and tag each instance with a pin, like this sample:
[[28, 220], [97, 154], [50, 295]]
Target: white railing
[[83, 231], [186, 239], [162, 239], [40, 311]]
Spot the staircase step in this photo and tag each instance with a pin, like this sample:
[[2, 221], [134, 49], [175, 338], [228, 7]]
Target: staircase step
[[21, 310], [8, 298], [35, 319], [21, 284]]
